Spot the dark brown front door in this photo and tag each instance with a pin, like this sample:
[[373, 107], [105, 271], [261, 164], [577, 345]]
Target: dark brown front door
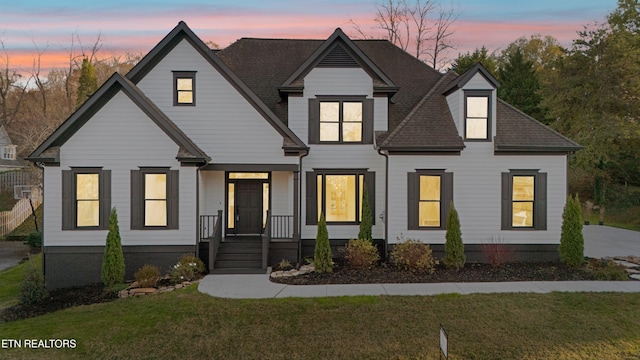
[[248, 203]]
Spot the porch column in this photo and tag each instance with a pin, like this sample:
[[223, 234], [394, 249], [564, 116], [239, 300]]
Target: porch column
[[296, 205]]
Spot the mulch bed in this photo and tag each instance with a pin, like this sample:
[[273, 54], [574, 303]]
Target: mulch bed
[[58, 300], [386, 274]]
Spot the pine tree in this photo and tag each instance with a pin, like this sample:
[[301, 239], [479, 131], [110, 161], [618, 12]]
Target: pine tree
[[367, 220], [113, 260], [322, 255], [519, 85], [88, 82], [453, 248], [571, 241]]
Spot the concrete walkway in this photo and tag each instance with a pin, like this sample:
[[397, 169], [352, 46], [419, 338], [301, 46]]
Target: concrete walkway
[[606, 241], [259, 287], [11, 253]]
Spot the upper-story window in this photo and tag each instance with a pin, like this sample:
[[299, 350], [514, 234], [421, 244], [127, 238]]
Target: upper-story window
[[341, 120], [477, 115], [9, 152], [184, 88]]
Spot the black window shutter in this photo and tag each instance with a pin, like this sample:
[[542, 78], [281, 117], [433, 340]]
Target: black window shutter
[[412, 201], [370, 183], [105, 198], [367, 126], [136, 221], [172, 200], [447, 198], [540, 211], [314, 121], [506, 202], [68, 195], [312, 201]]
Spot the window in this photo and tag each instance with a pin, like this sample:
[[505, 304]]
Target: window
[[86, 198], [524, 194], [9, 152], [184, 88], [430, 193], [154, 198], [338, 194], [341, 120], [477, 115]]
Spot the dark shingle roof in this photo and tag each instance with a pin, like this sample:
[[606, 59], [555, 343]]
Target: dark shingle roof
[[518, 132]]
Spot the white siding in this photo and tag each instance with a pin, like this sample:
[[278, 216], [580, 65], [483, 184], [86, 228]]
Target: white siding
[[120, 138], [477, 195], [222, 123], [339, 81], [380, 113], [282, 193]]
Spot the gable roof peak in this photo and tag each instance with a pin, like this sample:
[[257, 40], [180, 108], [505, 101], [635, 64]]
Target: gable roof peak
[[463, 79]]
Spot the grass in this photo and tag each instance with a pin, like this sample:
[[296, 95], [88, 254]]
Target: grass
[[10, 280], [6, 200], [28, 226], [625, 218], [497, 326]]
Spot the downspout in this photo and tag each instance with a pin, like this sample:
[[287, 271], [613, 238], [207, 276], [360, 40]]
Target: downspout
[[385, 220], [300, 204]]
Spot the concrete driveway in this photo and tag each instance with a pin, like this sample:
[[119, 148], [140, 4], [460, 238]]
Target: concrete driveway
[[602, 241], [11, 253]]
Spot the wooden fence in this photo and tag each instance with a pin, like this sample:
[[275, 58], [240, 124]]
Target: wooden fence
[[12, 178], [21, 211]]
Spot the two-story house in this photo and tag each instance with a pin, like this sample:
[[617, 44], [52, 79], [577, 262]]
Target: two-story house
[[243, 148]]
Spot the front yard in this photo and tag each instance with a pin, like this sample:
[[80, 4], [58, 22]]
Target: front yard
[[188, 324]]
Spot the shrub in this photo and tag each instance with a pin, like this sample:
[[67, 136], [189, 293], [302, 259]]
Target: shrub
[[322, 261], [496, 252], [361, 253], [453, 248], [147, 276], [412, 255], [284, 264], [367, 220], [606, 270], [32, 289], [113, 260], [34, 239], [571, 241], [187, 268]]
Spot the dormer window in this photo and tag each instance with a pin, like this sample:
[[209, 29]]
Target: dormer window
[[184, 88], [341, 120], [477, 115]]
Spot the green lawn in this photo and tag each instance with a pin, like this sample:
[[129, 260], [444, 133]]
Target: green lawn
[[6, 200], [10, 280], [187, 324]]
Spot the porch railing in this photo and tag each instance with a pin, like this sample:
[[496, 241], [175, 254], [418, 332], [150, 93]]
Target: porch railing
[[281, 226], [211, 229], [266, 239]]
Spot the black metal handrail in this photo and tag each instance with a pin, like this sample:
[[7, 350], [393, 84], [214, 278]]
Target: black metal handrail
[[214, 240], [207, 225], [281, 226]]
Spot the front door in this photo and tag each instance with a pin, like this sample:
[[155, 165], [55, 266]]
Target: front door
[[248, 207]]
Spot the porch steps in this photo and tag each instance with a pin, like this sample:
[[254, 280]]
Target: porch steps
[[239, 255]]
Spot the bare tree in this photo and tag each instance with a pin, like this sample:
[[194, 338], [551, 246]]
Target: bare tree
[[39, 80], [425, 25], [9, 83]]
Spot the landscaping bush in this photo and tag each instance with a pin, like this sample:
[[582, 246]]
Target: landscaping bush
[[607, 270], [414, 256], [322, 259], [496, 252], [32, 289], [34, 239], [187, 268], [571, 247], [367, 220], [361, 253], [284, 265], [453, 248], [147, 276], [113, 260]]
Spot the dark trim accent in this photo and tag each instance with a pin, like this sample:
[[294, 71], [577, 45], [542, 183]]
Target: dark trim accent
[[532, 150], [138, 199], [308, 245], [111, 87], [367, 119], [250, 167], [337, 57], [468, 75], [182, 31], [515, 252], [184, 75], [413, 197], [69, 201], [539, 199], [442, 151], [481, 94]]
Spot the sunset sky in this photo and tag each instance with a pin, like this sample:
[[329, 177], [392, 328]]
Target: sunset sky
[[136, 26]]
